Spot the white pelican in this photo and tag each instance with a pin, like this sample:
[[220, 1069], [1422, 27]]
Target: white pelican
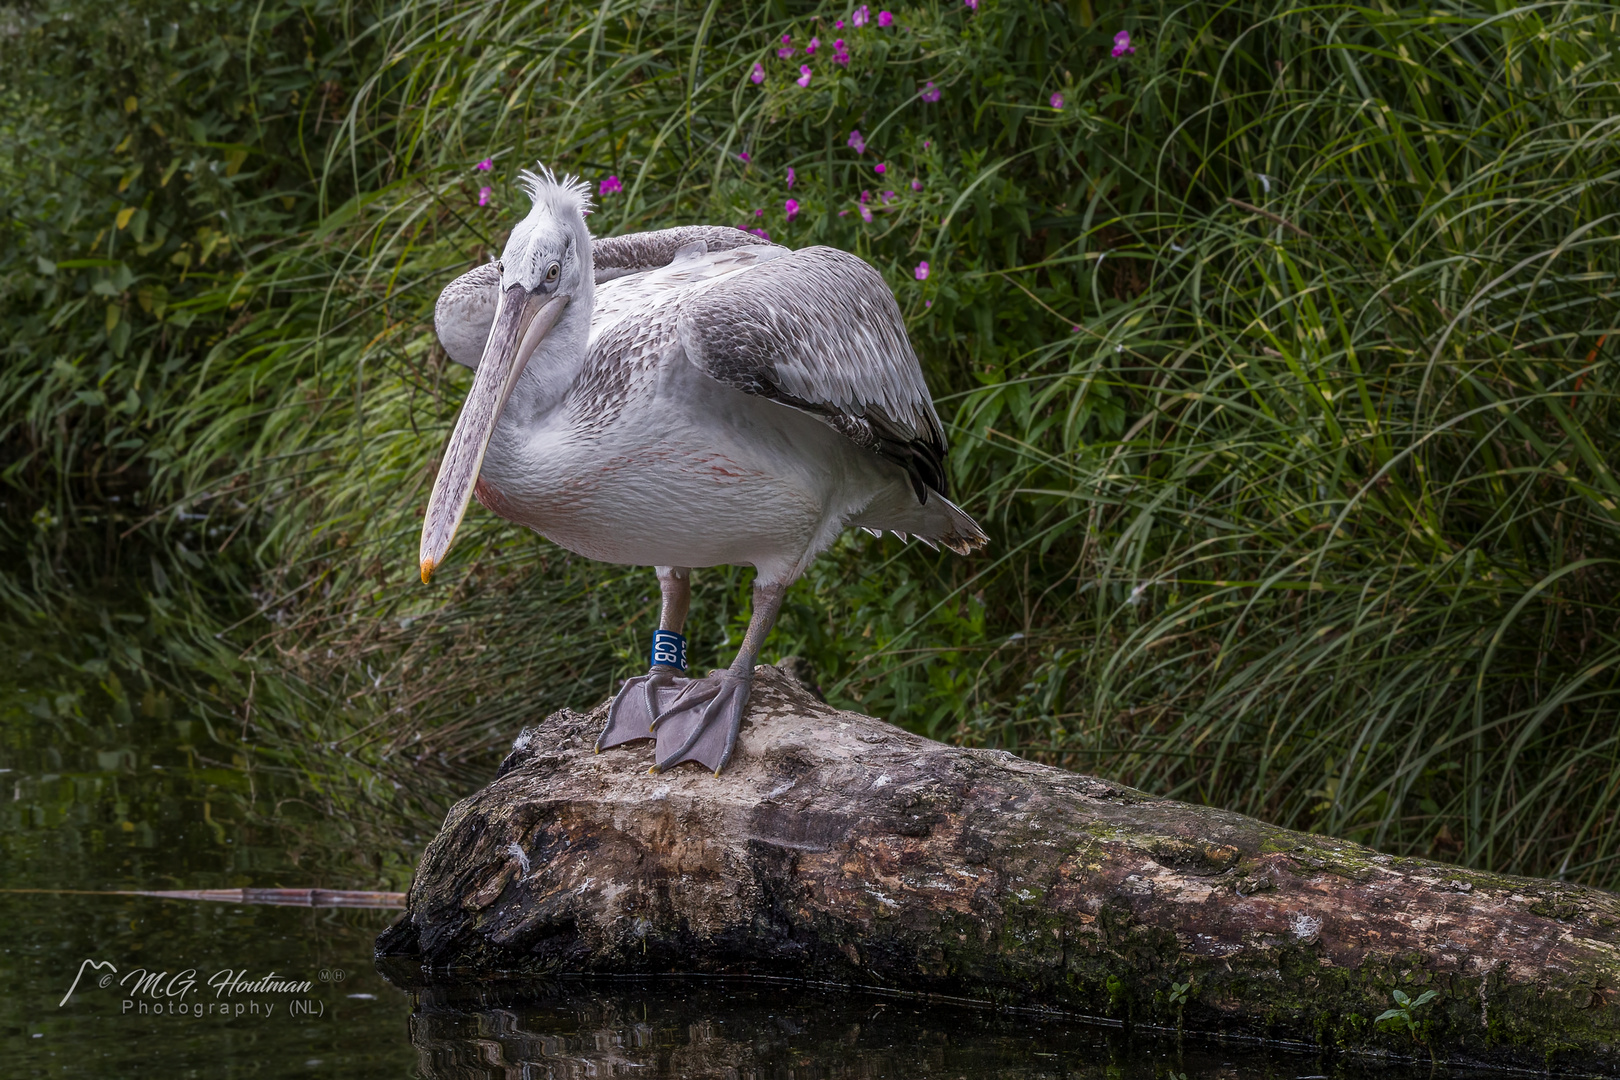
[[688, 397]]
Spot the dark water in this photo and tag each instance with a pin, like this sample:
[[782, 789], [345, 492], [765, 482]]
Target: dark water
[[105, 788]]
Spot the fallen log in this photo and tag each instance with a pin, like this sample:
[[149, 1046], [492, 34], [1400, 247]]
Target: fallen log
[[837, 847]]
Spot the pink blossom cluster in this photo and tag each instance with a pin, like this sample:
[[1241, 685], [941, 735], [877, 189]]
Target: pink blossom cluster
[[609, 186], [1122, 43], [859, 18]]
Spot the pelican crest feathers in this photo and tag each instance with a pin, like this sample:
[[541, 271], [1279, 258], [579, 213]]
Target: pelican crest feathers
[[568, 195]]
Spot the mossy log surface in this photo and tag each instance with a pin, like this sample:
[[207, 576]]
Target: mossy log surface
[[838, 847]]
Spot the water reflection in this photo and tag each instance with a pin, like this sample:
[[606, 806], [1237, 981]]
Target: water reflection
[[104, 788], [747, 1030]]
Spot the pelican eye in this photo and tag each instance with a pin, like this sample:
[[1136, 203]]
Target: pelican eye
[[551, 274]]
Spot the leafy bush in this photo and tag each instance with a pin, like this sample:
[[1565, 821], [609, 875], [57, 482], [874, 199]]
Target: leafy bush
[[1275, 352]]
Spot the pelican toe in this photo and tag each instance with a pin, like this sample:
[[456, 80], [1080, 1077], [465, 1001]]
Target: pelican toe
[[702, 723], [638, 706]]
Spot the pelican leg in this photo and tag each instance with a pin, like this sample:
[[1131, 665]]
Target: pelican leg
[[641, 699], [702, 723]]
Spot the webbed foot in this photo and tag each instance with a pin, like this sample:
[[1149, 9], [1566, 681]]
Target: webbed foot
[[638, 704], [701, 724]]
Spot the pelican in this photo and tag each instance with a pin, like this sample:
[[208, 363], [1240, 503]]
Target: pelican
[[690, 397]]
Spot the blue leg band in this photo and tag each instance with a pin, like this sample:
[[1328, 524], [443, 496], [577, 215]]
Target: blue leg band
[[669, 649]]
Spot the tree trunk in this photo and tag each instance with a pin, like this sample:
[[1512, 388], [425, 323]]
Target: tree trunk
[[838, 847]]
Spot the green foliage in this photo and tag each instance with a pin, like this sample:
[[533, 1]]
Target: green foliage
[[1277, 363], [1403, 1017]]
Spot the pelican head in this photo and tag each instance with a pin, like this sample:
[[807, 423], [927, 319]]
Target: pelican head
[[546, 266]]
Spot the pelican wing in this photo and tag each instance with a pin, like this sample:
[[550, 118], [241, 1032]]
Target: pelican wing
[[465, 310], [619, 256], [819, 330]]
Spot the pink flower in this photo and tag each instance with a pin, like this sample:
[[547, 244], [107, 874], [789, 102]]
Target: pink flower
[[880, 168], [810, 49], [866, 214], [866, 196], [792, 208], [1122, 43], [804, 75], [927, 143], [1074, 329], [485, 165], [916, 185], [760, 233], [973, 5], [792, 176], [787, 47], [1057, 101], [922, 270], [610, 185], [759, 213], [888, 197], [861, 16], [885, 19], [743, 157], [930, 93], [841, 57], [928, 303], [856, 142], [759, 73], [483, 195], [838, 25]]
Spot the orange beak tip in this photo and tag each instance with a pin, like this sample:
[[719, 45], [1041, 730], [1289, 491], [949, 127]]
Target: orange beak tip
[[427, 570]]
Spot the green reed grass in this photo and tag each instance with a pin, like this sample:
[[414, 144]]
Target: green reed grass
[[1276, 363]]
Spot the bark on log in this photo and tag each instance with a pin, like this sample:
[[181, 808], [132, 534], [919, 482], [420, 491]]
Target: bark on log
[[838, 847]]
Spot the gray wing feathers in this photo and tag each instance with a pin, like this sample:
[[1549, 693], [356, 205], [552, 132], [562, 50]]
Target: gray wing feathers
[[618, 256], [466, 308], [818, 329], [465, 311]]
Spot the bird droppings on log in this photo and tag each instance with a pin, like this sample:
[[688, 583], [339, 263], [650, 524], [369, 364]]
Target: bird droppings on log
[[839, 847]]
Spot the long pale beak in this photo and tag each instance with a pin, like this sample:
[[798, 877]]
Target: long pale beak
[[522, 320]]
